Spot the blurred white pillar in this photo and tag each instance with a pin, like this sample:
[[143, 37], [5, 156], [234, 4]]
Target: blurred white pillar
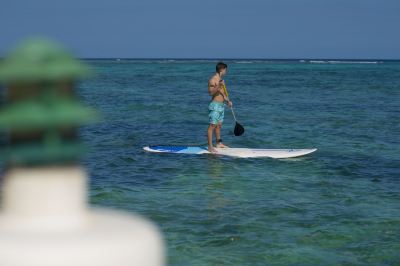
[[45, 221]]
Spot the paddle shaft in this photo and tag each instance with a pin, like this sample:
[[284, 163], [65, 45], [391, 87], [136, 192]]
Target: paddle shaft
[[233, 113], [227, 95]]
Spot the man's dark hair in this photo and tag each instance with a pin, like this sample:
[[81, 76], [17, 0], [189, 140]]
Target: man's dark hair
[[220, 66]]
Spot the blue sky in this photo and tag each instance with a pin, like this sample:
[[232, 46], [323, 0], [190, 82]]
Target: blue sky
[[357, 29]]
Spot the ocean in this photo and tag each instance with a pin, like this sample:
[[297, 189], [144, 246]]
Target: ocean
[[337, 206]]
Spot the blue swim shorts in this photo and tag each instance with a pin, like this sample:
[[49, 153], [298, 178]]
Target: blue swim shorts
[[216, 112]]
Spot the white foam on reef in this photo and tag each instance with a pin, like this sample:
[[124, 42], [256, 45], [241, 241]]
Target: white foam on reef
[[317, 62], [165, 61], [244, 62], [341, 62], [352, 62]]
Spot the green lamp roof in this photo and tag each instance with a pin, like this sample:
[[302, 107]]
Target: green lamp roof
[[35, 115], [40, 60]]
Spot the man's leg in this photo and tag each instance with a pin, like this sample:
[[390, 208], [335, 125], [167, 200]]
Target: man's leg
[[218, 136], [210, 130], [218, 132]]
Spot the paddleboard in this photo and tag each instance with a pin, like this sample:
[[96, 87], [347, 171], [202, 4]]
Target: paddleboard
[[233, 152]]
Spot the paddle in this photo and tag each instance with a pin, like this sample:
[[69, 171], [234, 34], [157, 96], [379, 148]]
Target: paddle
[[239, 129]]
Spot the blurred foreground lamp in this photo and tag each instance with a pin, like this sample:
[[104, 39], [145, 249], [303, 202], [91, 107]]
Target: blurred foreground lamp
[[44, 218]]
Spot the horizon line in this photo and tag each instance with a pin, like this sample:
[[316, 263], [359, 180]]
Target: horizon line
[[240, 58], [230, 59]]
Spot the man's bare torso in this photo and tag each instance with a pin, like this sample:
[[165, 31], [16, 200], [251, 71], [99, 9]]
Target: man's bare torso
[[214, 85]]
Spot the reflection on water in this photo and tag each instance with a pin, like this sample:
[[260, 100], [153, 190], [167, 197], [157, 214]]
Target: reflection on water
[[216, 183]]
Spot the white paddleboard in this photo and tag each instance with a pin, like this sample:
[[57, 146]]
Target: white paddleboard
[[233, 152]]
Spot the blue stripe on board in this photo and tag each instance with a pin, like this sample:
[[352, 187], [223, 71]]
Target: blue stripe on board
[[169, 148]]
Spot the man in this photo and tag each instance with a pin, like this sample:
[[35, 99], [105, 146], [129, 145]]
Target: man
[[216, 107]]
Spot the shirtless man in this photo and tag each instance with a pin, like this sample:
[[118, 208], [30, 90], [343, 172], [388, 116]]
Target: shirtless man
[[216, 107]]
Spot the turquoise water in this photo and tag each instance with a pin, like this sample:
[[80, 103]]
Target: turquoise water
[[338, 206]]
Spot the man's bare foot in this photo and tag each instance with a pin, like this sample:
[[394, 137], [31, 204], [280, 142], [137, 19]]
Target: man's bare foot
[[212, 150], [221, 145]]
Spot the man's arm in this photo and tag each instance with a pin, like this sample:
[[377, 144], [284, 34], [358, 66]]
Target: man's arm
[[226, 99], [224, 93], [213, 87]]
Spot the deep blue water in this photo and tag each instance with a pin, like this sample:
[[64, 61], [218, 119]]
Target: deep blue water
[[338, 206]]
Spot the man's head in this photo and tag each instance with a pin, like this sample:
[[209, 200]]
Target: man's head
[[221, 68]]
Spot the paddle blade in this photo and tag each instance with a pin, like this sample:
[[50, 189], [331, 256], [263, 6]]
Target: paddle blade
[[239, 129]]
